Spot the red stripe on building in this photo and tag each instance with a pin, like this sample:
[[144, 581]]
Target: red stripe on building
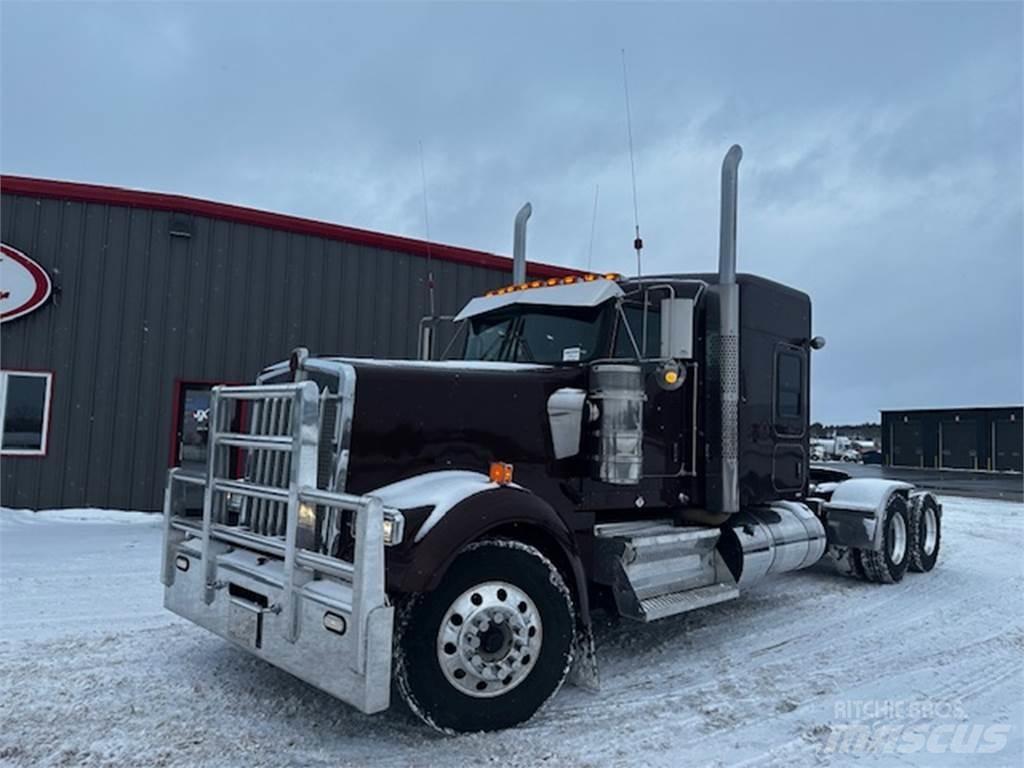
[[131, 198]]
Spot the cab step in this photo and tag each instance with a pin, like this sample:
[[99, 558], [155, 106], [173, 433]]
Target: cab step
[[688, 600], [657, 569]]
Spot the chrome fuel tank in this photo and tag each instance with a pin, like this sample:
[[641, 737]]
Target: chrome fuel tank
[[779, 537]]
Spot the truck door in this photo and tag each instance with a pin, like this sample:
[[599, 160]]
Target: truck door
[[789, 404]]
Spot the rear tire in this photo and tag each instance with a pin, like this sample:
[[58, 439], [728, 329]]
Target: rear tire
[[488, 647], [925, 535], [889, 565]]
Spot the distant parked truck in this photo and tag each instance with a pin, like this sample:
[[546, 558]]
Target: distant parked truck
[[623, 443], [835, 447]]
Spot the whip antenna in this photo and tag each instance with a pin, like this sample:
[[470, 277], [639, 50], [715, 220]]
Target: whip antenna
[[638, 243], [426, 225], [593, 225]]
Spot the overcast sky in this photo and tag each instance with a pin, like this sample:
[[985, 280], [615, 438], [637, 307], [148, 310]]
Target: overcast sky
[[882, 170]]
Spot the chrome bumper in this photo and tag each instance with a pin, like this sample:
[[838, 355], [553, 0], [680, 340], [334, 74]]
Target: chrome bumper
[[325, 620], [349, 661]]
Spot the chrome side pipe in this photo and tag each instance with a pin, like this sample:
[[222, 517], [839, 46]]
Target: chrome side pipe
[[729, 333], [519, 245]]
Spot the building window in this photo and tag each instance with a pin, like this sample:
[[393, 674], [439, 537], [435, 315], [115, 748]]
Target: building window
[[25, 397]]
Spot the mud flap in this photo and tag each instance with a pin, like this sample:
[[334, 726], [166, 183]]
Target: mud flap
[[584, 672]]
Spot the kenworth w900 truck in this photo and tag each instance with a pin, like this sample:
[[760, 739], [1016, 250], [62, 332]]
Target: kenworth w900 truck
[[639, 444]]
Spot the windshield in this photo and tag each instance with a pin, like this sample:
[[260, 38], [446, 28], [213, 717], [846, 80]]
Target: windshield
[[537, 336]]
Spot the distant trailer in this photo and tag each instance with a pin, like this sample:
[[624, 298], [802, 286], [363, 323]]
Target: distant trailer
[[983, 439]]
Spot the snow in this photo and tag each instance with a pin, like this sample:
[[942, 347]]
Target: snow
[[441, 490], [581, 294], [96, 673], [442, 365]]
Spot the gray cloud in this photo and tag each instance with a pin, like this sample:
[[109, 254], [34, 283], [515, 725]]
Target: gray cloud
[[883, 146]]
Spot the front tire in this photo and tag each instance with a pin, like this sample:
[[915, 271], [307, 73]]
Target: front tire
[[488, 647], [889, 565]]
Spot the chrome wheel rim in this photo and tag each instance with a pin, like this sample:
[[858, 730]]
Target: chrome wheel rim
[[489, 639], [897, 539], [931, 531]]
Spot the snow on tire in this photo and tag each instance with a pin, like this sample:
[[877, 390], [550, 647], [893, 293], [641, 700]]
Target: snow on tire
[[488, 647], [925, 534], [889, 565]]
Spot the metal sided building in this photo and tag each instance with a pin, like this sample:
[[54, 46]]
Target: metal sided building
[[121, 309], [988, 439]]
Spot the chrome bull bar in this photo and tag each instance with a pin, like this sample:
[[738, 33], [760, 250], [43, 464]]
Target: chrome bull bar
[[260, 581]]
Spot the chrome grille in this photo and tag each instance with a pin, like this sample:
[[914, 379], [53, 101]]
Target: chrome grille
[[271, 417]]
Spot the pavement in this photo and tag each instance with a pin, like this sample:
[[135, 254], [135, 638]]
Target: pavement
[[1008, 486]]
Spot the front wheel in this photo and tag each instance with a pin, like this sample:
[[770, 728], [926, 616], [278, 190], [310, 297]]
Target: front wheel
[[489, 646]]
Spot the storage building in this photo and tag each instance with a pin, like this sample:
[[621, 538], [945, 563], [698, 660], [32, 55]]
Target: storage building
[[122, 308], [954, 438]]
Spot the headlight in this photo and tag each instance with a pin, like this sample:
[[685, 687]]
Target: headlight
[[394, 527]]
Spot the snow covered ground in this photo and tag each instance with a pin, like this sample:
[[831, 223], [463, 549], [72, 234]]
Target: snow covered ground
[[804, 669]]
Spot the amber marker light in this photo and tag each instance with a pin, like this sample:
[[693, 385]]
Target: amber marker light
[[671, 376], [501, 473]]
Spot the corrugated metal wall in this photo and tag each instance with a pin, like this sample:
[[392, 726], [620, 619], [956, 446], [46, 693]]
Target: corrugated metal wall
[[986, 439], [135, 309]]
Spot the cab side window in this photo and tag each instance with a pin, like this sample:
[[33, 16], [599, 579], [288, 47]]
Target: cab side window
[[635, 318], [790, 390]]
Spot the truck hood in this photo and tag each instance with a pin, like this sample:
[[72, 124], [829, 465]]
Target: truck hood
[[412, 417]]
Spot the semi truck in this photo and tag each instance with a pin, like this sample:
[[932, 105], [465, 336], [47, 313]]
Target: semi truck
[[446, 530]]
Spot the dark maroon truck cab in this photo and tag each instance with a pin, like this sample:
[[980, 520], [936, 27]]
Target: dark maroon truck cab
[[640, 443]]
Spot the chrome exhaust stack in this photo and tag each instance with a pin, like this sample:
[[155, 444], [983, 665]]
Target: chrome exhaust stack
[[728, 341], [519, 245]]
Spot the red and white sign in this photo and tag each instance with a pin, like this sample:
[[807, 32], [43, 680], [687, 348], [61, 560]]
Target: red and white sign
[[24, 285]]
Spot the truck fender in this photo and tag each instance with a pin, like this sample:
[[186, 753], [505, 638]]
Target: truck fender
[[854, 513], [447, 510]]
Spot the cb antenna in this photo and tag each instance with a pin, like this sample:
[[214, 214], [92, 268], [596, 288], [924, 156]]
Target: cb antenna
[[426, 225], [593, 226], [638, 242]]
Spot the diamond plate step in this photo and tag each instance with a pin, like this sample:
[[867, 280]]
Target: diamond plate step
[[689, 600]]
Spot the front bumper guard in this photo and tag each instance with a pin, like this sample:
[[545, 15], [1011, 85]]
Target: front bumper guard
[[325, 620]]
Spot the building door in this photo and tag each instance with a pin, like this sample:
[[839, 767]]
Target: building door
[[959, 441], [192, 430], [1006, 440], [907, 450]]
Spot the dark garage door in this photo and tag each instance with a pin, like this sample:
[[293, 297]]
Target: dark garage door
[[1008, 438], [906, 444], [959, 444]]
